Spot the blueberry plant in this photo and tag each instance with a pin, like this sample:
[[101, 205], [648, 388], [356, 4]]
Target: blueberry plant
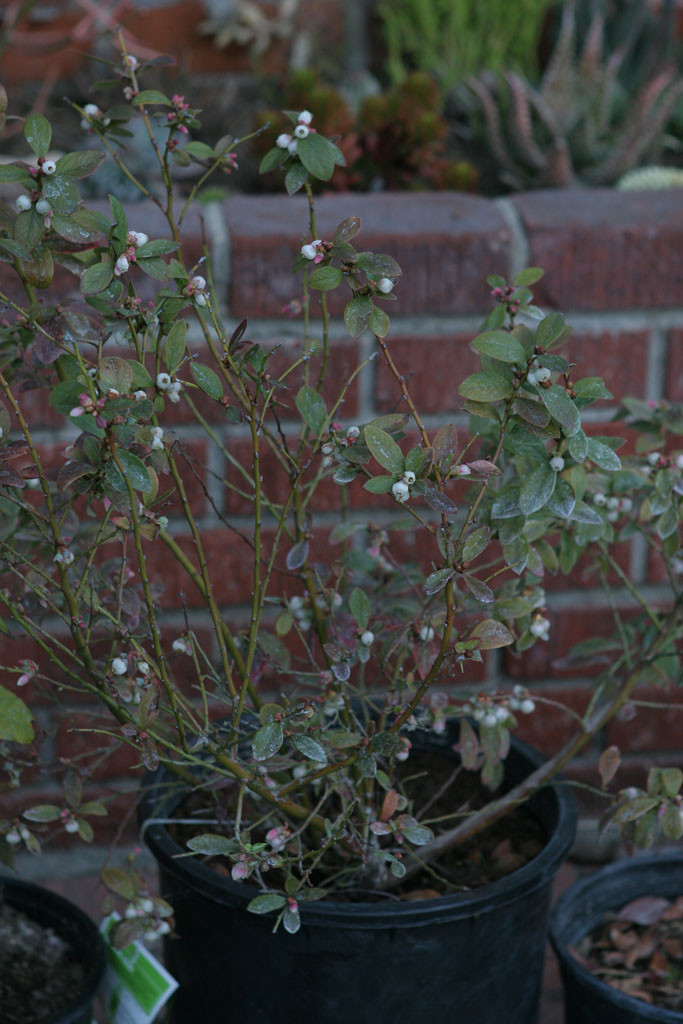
[[304, 710]]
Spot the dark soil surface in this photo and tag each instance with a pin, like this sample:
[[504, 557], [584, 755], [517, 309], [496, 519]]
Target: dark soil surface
[[504, 847], [639, 951], [38, 976]]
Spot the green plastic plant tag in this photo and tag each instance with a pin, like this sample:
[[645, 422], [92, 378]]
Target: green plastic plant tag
[[136, 984]]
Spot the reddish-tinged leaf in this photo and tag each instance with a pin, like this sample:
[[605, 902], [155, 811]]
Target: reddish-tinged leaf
[[484, 468], [297, 555], [468, 746], [608, 764], [150, 755], [389, 806], [445, 446], [440, 502], [492, 634]]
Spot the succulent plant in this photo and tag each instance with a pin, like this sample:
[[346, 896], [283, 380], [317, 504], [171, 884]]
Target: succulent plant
[[579, 125]]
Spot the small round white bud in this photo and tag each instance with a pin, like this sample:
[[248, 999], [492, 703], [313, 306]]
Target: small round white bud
[[367, 637], [119, 666], [400, 491], [292, 147], [599, 498], [198, 282], [385, 285], [42, 206], [463, 469], [653, 458], [49, 167], [121, 265], [612, 503], [557, 463], [426, 634], [490, 719], [139, 395], [305, 117], [22, 203], [163, 381], [309, 251], [71, 826], [527, 706], [542, 374], [91, 110], [409, 477], [131, 61], [283, 141], [353, 432], [301, 131]]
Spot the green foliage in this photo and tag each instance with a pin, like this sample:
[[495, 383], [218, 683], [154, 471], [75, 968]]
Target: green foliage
[[588, 120], [451, 39]]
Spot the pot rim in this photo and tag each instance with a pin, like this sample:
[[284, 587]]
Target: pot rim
[[581, 892], [404, 913], [25, 896]]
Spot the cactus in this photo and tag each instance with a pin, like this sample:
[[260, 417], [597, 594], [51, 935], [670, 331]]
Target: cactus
[[579, 125]]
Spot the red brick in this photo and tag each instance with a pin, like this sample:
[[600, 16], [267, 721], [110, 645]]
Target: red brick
[[605, 249], [433, 367], [619, 357], [549, 727], [674, 369], [642, 728], [446, 244], [97, 755]]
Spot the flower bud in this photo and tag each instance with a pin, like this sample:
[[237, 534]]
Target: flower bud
[[42, 206], [310, 250], [92, 110], [119, 666], [409, 477], [49, 167], [121, 265], [305, 117], [301, 131], [22, 202], [542, 374], [557, 463], [527, 706], [71, 826], [163, 381], [426, 634], [400, 491], [385, 285], [292, 147], [283, 141], [367, 637]]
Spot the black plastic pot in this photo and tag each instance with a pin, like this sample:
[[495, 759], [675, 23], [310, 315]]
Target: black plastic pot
[[588, 1000], [74, 927], [470, 958]]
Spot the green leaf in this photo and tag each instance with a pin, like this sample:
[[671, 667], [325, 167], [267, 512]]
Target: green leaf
[[561, 408], [602, 455], [478, 589], [62, 194], [378, 264], [590, 389], [671, 780], [200, 150], [357, 315], [379, 484], [273, 158], [266, 902], [141, 377], [379, 322], [119, 881], [359, 604], [14, 248], [42, 812], [208, 380], [212, 845], [119, 232], [267, 741], [150, 96], [157, 247], [537, 489], [12, 172], [436, 581], [492, 634], [418, 835], [38, 133], [500, 345], [115, 372], [507, 504], [29, 228], [135, 470], [561, 502], [16, 720], [476, 542], [174, 349], [347, 230], [309, 747], [324, 279], [486, 386], [80, 164], [295, 177], [97, 278], [154, 267], [384, 449], [577, 445], [312, 408], [583, 513], [550, 329], [317, 155], [526, 277]]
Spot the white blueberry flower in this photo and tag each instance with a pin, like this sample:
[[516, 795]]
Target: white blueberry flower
[[162, 522], [404, 754], [91, 110], [463, 469], [137, 238], [626, 504], [630, 793], [478, 714], [119, 666], [296, 604], [409, 477], [181, 645], [173, 391], [298, 771], [64, 556], [527, 706], [426, 634], [143, 667], [531, 377], [337, 600], [557, 463], [49, 167], [501, 713], [400, 491], [157, 438], [198, 283], [22, 202], [310, 250], [121, 265], [490, 718], [540, 627], [139, 395], [301, 131], [542, 374], [292, 147], [163, 381], [327, 448], [599, 498], [12, 837], [385, 285], [283, 141], [653, 458], [353, 432], [367, 638], [613, 503], [130, 61], [679, 462], [305, 117], [71, 825], [200, 299]]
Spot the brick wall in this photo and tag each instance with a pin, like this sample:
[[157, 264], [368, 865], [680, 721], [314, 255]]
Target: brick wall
[[613, 266]]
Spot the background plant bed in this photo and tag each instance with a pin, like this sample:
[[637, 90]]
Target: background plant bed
[[51, 957], [227, 957]]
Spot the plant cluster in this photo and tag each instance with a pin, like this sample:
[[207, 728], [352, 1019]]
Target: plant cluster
[[397, 140], [583, 122], [307, 712]]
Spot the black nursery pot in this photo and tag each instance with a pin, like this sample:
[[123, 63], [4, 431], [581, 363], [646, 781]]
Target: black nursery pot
[[72, 925], [468, 958], [588, 1000]]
